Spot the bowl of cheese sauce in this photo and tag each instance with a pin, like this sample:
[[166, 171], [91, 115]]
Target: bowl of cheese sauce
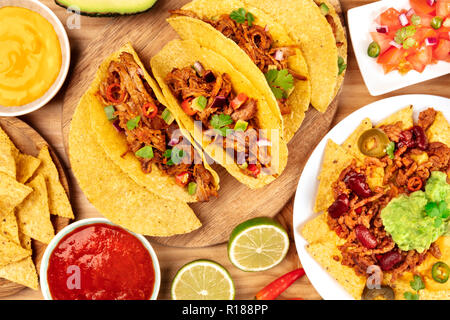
[[34, 56]]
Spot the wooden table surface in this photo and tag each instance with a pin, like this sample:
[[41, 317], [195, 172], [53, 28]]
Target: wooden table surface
[[47, 121]]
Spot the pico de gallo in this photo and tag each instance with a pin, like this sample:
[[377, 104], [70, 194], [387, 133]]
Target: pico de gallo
[[411, 39]]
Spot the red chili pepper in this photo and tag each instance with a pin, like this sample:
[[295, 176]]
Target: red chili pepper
[[277, 287], [240, 99], [186, 106], [112, 90], [182, 179], [414, 184], [254, 169], [150, 110]]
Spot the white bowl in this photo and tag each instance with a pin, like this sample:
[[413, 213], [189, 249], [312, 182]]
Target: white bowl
[[44, 263], [48, 14], [361, 23]]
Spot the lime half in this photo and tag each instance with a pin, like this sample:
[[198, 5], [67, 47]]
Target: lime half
[[202, 280], [258, 244]]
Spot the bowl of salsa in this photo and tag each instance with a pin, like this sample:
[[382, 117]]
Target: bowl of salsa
[[94, 259]]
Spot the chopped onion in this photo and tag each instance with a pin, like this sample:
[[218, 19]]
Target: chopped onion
[[431, 2], [410, 12], [218, 102], [431, 41], [198, 68], [264, 143], [266, 28], [403, 19], [395, 44], [279, 55], [383, 29], [174, 141], [209, 76]]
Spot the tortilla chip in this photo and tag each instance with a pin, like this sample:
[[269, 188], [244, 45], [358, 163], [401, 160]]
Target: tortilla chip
[[207, 36], [26, 166], [7, 163], [317, 230], [11, 251], [309, 28], [335, 160], [33, 214], [404, 115], [179, 54], [120, 199], [11, 193], [22, 272], [8, 226], [439, 131], [57, 198], [351, 144]]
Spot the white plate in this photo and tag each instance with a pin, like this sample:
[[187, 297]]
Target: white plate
[[361, 23], [325, 285]]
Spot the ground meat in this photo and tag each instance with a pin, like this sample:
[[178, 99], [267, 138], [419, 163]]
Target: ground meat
[[426, 118], [245, 112]]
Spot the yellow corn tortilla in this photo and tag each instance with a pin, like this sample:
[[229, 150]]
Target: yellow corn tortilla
[[11, 192], [7, 163], [179, 54], [8, 226], [120, 199], [11, 251], [310, 29], [26, 166], [439, 131], [33, 213], [57, 198], [404, 115], [114, 143], [208, 37], [335, 160]]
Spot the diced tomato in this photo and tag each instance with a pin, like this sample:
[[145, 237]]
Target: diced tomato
[[182, 179], [240, 99], [253, 168], [382, 39], [421, 6], [421, 58], [391, 58], [186, 106], [442, 51], [442, 8], [390, 18], [423, 33], [444, 35], [425, 20]]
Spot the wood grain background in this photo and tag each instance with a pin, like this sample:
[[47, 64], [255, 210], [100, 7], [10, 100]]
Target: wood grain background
[[47, 121]]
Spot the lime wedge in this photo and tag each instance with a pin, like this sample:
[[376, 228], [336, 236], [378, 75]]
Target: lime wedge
[[202, 280], [258, 244]]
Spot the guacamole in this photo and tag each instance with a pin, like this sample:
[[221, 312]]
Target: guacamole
[[405, 219]]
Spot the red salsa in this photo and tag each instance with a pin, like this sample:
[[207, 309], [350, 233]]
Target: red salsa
[[100, 262]]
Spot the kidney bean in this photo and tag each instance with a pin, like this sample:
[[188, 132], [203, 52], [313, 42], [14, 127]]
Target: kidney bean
[[339, 206], [366, 238], [389, 260], [405, 138], [357, 183], [420, 138]]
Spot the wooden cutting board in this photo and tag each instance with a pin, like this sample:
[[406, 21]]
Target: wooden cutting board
[[149, 32], [30, 142]]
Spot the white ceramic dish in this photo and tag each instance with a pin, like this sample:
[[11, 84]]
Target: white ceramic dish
[[361, 23], [44, 11], [44, 264], [325, 285]]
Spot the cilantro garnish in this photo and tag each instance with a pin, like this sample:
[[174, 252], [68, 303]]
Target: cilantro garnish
[[390, 148], [341, 65], [417, 285], [411, 296], [240, 16], [220, 122], [145, 152], [437, 210], [402, 34], [280, 81], [133, 123]]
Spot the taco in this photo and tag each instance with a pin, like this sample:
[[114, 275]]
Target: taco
[[257, 46], [395, 230], [130, 120], [222, 110]]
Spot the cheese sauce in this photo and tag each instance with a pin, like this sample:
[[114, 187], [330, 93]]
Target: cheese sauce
[[30, 56]]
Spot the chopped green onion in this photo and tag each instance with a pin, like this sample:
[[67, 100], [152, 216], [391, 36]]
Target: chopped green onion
[[167, 116], [133, 123], [374, 50], [436, 22], [167, 153], [145, 152], [241, 125], [109, 111], [415, 19], [324, 8], [199, 103], [192, 188]]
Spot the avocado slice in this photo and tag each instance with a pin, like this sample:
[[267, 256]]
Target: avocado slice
[[108, 8]]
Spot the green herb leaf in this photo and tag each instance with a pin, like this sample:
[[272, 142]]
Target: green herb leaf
[[250, 18], [404, 33], [390, 148], [417, 283], [280, 81], [341, 65], [145, 152], [133, 123], [437, 209], [411, 296], [167, 154], [238, 15], [109, 111]]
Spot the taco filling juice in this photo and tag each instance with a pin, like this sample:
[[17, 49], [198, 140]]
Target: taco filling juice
[[210, 99], [151, 133]]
